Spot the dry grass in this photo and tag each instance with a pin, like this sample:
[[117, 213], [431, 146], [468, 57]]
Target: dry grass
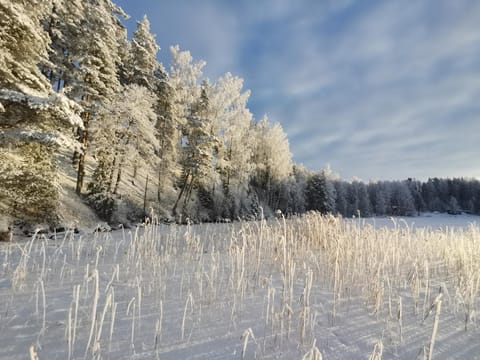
[[277, 279]]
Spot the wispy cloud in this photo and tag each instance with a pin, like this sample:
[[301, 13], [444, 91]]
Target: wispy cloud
[[378, 89], [398, 84]]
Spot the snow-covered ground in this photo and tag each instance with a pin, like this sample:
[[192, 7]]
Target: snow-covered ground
[[244, 290]]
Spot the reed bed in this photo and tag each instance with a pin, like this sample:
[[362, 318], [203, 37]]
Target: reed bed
[[288, 288]]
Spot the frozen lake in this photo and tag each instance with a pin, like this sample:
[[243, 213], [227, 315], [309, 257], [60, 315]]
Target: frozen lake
[[430, 220]]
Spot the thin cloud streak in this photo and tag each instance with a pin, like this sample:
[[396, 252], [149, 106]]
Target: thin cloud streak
[[377, 89]]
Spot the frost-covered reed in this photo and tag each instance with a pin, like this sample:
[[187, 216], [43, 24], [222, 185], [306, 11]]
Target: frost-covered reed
[[279, 279]]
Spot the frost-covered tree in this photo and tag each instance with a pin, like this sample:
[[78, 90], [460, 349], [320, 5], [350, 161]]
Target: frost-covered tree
[[197, 159], [320, 193], [378, 194], [272, 160], [143, 55], [341, 189], [297, 185], [29, 107], [187, 113], [63, 25], [231, 121], [364, 205], [24, 46], [97, 77], [123, 135], [29, 183], [33, 118], [100, 196], [126, 130], [401, 199], [184, 78], [169, 128]]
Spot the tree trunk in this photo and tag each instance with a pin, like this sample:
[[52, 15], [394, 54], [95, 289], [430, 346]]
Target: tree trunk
[[76, 154], [81, 158], [135, 170], [161, 167], [120, 167], [110, 178], [184, 186], [188, 195], [159, 187], [145, 197], [119, 175], [135, 163]]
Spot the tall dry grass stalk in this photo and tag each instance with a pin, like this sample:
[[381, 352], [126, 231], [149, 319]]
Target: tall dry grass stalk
[[305, 271]]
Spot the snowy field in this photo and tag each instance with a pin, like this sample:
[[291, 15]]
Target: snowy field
[[432, 221], [267, 290]]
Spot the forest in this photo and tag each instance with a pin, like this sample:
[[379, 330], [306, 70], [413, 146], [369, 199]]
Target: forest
[[81, 100]]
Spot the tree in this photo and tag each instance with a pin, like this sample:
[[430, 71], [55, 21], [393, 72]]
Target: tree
[[34, 120], [297, 186], [320, 193], [97, 78], [364, 205], [189, 115], [402, 201], [378, 198], [232, 156], [168, 132], [143, 55], [272, 160], [63, 25], [198, 148], [129, 123], [341, 198]]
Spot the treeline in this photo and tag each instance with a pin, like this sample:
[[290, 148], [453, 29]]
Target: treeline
[[410, 197], [71, 82]]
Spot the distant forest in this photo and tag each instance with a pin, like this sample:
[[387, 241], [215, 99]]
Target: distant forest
[[141, 136], [404, 198]]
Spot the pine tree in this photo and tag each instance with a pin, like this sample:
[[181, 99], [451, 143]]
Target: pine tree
[[63, 24], [168, 133], [97, 75], [30, 189], [143, 55], [34, 120]]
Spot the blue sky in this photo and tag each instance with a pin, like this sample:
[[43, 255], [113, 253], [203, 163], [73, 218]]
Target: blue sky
[[378, 89]]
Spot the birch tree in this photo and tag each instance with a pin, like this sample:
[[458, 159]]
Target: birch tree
[[184, 79], [197, 159], [124, 135], [272, 159], [232, 120]]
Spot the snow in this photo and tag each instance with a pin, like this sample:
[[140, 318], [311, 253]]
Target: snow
[[433, 221], [172, 290], [53, 138]]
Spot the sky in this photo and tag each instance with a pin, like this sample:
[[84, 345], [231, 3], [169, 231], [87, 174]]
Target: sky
[[377, 89]]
